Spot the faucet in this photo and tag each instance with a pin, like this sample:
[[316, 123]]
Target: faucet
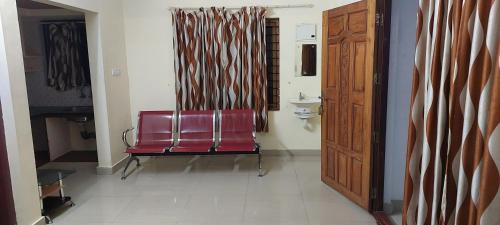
[[301, 96]]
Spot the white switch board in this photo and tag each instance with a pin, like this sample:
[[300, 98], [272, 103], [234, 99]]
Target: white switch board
[[116, 72], [306, 32]]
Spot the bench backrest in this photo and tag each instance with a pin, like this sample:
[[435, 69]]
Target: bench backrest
[[237, 125], [155, 128], [196, 126]]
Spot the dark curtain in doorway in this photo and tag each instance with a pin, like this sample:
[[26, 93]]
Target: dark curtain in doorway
[[66, 52]]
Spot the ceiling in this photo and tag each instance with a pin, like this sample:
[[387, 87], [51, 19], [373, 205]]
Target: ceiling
[[29, 4]]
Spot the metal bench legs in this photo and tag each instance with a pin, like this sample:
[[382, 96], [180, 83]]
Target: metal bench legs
[[130, 159], [260, 164]]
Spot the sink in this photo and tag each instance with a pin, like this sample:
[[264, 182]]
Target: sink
[[305, 103], [306, 108]]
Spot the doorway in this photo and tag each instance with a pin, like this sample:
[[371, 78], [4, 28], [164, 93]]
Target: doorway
[[59, 91], [354, 89], [59, 87]]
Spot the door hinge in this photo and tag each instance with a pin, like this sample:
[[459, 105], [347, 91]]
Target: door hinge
[[376, 79], [379, 19], [376, 137]]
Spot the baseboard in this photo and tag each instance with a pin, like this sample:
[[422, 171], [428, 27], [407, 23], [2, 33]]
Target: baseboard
[[313, 152], [398, 205], [40, 221], [111, 170], [393, 207]]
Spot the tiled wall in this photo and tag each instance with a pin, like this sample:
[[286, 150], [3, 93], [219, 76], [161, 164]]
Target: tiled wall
[[39, 94]]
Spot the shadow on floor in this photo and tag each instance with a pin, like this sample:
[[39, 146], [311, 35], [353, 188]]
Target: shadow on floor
[[78, 156]]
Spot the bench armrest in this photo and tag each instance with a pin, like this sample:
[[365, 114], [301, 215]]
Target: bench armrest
[[124, 137]]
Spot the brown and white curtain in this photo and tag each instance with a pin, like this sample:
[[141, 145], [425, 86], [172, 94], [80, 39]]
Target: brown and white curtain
[[220, 60], [453, 161]]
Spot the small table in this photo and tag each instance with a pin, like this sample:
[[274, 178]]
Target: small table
[[50, 182]]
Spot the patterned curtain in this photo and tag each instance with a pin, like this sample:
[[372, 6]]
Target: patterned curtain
[[67, 55], [453, 161], [220, 60]]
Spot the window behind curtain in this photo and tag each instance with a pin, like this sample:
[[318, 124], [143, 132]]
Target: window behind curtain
[[273, 63]]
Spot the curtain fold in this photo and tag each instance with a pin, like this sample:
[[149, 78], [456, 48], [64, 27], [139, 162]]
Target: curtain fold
[[220, 60], [453, 160], [66, 54]]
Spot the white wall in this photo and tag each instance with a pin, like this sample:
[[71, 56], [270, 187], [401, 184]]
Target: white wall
[[58, 137], [64, 136], [403, 35], [148, 32], [16, 117], [111, 99], [77, 142]]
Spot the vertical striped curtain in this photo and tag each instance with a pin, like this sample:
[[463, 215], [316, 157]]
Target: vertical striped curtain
[[220, 60], [453, 161]]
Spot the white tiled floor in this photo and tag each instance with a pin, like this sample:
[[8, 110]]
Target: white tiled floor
[[397, 219], [208, 191]]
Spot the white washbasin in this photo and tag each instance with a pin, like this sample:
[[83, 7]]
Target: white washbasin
[[305, 103]]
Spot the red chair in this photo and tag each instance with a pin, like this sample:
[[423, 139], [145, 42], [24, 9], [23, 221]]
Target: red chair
[[196, 132], [237, 133], [154, 135]]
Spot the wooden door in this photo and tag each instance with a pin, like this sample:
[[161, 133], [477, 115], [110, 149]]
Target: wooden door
[[7, 212], [347, 86]]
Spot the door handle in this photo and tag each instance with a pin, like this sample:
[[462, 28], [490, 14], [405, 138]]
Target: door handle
[[320, 110]]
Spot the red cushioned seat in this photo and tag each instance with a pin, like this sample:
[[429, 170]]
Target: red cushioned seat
[[237, 131], [236, 147], [146, 149], [196, 132], [154, 133], [184, 147]]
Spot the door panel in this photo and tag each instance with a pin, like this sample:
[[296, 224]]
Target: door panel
[[333, 67], [342, 167], [359, 66], [347, 78], [358, 21], [336, 26], [357, 128]]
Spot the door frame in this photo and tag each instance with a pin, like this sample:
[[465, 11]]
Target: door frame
[[7, 214], [381, 81]]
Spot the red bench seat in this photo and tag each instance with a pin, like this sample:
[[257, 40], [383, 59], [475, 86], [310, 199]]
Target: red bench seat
[[151, 149], [236, 147], [196, 132], [154, 132], [237, 131]]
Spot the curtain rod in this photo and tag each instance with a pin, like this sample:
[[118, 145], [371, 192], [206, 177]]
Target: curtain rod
[[264, 6], [61, 21]]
